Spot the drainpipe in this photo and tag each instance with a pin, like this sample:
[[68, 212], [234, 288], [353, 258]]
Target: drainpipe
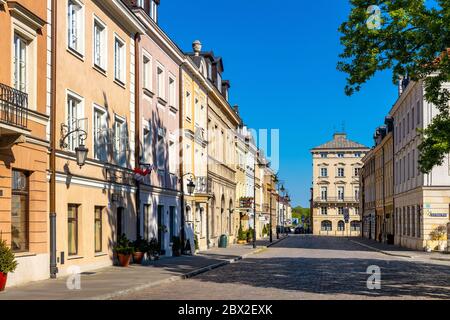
[[137, 130], [53, 265]]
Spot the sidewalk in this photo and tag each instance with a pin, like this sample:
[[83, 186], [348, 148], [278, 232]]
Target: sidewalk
[[397, 251], [111, 282]]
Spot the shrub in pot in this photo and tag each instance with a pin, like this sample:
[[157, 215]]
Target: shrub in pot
[[124, 251], [440, 235], [242, 236], [250, 235], [153, 249], [176, 246], [8, 263], [141, 246]]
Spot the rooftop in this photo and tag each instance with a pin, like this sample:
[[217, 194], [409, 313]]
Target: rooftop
[[340, 141]]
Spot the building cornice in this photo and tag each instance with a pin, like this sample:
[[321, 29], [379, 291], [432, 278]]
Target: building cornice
[[23, 13], [124, 15]]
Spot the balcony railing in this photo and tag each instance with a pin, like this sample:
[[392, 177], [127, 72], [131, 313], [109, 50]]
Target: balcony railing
[[13, 106], [336, 199]]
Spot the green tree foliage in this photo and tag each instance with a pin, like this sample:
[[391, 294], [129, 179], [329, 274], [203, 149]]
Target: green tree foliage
[[411, 40]]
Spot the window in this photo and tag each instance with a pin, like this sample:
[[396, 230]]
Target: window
[[72, 232], [154, 10], [172, 158], [407, 123], [120, 141], [160, 78], [358, 155], [357, 171], [74, 114], [147, 72], [340, 211], [341, 226], [19, 212], [324, 172], [355, 226], [147, 212], [100, 44], [98, 222], [418, 112], [75, 23], [172, 92], [119, 60], [323, 155], [356, 193], [324, 211], [188, 103], [100, 134], [20, 63], [326, 225], [323, 193], [340, 155], [340, 192], [341, 172], [413, 122], [172, 222], [161, 150], [147, 145]]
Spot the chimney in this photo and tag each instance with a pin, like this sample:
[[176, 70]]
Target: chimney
[[197, 46], [236, 109]]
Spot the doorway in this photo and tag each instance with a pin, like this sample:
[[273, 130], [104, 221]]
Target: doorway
[[119, 223], [161, 229]]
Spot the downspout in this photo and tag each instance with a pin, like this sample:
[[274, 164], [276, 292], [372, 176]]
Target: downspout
[[53, 265], [137, 130]]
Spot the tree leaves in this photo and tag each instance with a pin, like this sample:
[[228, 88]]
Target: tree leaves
[[412, 41]]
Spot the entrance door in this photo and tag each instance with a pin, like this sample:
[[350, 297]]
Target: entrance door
[[119, 223], [161, 227]]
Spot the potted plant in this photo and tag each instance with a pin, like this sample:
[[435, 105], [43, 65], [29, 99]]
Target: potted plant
[[8, 263], [242, 236], [249, 235], [124, 251], [153, 250], [141, 246], [176, 246], [439, 234]]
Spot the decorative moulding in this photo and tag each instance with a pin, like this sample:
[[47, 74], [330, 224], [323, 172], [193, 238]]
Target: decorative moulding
[[25, 15]]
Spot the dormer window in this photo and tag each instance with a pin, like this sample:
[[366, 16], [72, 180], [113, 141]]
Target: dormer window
[[219, 82], [153, 10]]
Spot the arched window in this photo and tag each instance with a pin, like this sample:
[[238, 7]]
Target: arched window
[[355, 225], [341, 226], [326, 225]]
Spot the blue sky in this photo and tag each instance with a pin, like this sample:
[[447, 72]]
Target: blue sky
[[281, 61]]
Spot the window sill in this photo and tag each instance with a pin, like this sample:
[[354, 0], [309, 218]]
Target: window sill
[[74, 258], [100, 254], [148, 93], [119, 83], [162, 101], [76, 54], [24, 254], [100, 70]]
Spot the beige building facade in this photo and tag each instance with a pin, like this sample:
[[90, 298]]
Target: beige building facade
[[336, 166]]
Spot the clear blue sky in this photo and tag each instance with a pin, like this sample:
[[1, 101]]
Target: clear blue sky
[[281, 60]]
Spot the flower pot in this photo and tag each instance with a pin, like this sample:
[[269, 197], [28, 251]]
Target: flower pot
[[137, 257], [3, 278], [124, 259]]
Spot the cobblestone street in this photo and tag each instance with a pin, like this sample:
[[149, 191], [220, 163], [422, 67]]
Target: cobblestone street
[[307, 267]]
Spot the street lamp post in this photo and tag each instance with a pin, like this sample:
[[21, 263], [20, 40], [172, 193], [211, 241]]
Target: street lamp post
[[270, 215], [190, 189]]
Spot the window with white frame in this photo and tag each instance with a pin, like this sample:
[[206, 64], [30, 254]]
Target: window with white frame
[[357, 171], [323, 193], [100, 133], [340, 210], [340, 193], [120, 141], [172, 91], [74, 114], [356, 193], [147, 71], [160, 79], [20, 63], [340, 155], [161, 150], [100, 44], [119, 60], [188, 104], [75, 25], [147, 144], [172, 157], [340, 172], [324, 211], [324, 172], [323, 155], [154, 10]]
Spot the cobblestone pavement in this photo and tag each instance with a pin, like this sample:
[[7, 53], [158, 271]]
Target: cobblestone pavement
[[308, 267]]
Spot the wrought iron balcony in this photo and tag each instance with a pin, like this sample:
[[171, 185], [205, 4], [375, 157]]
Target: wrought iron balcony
[[13, 106]]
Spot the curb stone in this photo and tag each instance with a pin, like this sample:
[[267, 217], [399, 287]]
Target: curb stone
[[382, 251], [188, 275]]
